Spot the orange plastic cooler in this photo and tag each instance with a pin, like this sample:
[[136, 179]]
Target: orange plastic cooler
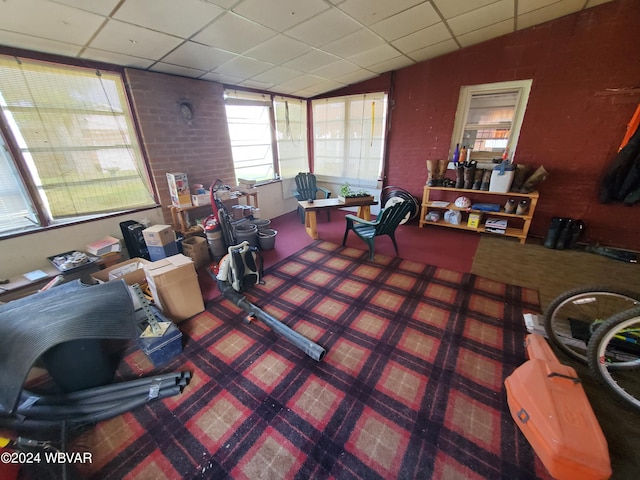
[[549, 405]]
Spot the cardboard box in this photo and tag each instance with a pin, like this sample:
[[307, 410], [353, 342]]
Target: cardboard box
[[131, 271], [179, 189], [174, 284], [201, 199], [474, 220], [158, 235], [102, 247], [163, 251], [197, 249]]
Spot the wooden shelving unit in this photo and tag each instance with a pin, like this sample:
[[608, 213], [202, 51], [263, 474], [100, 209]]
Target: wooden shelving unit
[[518, 225]]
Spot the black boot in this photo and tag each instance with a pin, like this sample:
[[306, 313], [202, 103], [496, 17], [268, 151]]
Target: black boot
[[477, 179], [469, 174], [486, 180], [577, 228], [459, 175], [557, 224], [565, 235]]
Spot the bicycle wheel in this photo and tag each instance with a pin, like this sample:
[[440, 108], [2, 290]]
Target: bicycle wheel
[[614, 356], [573, 316]]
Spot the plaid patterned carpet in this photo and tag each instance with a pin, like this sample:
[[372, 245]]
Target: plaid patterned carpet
[[411, 385]]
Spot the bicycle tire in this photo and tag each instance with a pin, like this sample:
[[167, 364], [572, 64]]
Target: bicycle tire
[[618, 338], [572, 317]]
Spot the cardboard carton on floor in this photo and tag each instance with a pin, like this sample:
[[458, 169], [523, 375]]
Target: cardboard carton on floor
[[158, 235], [174, 285], [131, 271]]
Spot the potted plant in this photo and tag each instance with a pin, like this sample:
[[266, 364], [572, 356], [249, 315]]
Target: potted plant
[[346, 193]]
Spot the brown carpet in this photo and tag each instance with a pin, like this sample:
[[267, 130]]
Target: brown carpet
[[411, 386]]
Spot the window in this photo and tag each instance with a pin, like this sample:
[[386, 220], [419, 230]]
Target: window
[[252, 132], [249, 121], [75, 152], [489, 118], [291, 136], [348, 135]]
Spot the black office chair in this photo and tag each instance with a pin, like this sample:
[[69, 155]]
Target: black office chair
[[385, 224], [307, 189]]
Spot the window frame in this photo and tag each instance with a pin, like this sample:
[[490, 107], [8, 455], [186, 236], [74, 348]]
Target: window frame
[[523, 87], [348, 139], [23, 175]]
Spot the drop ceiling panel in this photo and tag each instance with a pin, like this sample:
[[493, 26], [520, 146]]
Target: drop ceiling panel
[[433, 51], [409, 21], [544, 14], [116, 58], [243, 67], [168, 15], [450, 9], [234, 34], [52, 21], [374, 56], [277, 75], [279, 14], [177, 70], [198, 56], [354, 43], [278, 50], [336, 69], [311, 60], [128, 39], [486, 33], [481, 17], [324, 28], [427, 36], [18, 40], [369, 12], [242, 42], [102, 7]]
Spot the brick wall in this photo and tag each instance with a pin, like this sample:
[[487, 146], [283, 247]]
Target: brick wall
[[199, 147], [575, 119]]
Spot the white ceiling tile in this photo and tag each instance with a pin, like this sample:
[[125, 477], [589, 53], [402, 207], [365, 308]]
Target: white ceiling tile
[[223, 3], [197, 56], [433, 51], [526, 6], [336, 69], [311, 60], [374, 56], [450, 9], [278, 50], [541, 15], [101, 7], [177, 70], [427, 36], [394, 64], [486, 33], [128, 39], [280, 14], [182, 18], [221, 78], [243, 67], [409, 21], [354, 43], [357, 76], [116, 58], [277, 75], [255, 84], [49, 20], [482, 17], [369, 12], [18, 40], [303, 81], [324, 28], [234, 34]]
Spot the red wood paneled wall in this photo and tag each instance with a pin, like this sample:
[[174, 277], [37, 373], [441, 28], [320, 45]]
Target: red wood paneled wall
[[586, 85]]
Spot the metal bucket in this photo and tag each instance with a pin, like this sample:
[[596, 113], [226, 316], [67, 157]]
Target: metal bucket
[[261, 223]]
